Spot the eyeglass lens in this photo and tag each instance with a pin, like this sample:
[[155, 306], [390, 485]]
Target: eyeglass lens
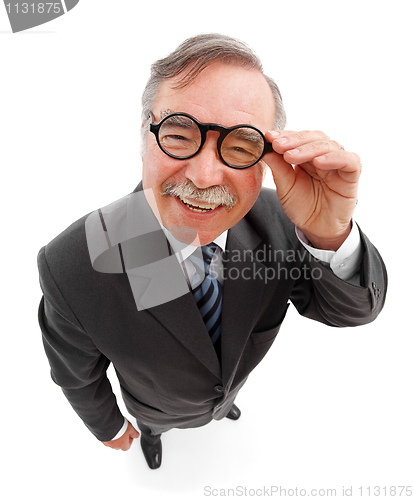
[[180, 136]]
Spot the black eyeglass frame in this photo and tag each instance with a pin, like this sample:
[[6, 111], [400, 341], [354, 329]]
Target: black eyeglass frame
[[207, 127]]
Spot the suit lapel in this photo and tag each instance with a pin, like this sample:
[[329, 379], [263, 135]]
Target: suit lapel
[[162, 290], [243, 290], [182, 318]]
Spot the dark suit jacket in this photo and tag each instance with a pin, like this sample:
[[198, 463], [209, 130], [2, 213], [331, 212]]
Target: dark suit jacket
[[168, 370]]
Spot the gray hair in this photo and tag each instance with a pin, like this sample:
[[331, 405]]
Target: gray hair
[[194, 55]]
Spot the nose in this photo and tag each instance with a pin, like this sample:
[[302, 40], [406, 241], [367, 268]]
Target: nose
[[206, 169]]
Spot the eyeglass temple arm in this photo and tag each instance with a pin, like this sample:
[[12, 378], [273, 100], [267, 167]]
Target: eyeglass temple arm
[[267, 148]]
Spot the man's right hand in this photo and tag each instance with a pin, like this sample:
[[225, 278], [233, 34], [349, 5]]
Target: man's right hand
[[125, 441]]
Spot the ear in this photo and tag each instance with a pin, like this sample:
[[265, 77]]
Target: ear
[[143, 139], [264, 167]]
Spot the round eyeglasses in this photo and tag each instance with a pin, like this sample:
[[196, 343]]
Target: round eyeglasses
[[181, 136]]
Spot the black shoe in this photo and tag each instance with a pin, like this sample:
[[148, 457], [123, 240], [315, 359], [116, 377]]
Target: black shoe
[[234, 413], [152, 452]]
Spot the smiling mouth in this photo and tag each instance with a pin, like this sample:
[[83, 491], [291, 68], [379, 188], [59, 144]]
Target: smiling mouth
[[197, 207]]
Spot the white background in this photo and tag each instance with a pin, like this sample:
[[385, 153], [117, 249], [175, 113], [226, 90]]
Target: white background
[[327, 408]]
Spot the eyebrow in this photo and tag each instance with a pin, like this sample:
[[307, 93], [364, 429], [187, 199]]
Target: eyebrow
[[248, 135], [165, 112], [180, 121]]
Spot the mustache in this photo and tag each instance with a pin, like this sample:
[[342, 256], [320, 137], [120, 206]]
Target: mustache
[[219, 195]]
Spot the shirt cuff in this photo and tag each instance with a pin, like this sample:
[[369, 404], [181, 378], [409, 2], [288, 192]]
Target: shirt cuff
[[345, 262], [121, 431]]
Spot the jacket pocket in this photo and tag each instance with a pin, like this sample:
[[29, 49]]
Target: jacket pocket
[[265, 335], [269, 334]]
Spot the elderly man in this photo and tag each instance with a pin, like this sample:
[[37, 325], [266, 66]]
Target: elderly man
[[183, 284]]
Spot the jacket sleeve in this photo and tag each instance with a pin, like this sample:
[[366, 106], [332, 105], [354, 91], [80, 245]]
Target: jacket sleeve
[[324, 297], [77, 366]]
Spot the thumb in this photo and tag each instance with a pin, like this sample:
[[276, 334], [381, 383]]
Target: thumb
[[133, 433], [282, 171]]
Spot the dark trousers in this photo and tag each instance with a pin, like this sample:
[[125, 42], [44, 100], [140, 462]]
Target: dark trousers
[[151, 436]]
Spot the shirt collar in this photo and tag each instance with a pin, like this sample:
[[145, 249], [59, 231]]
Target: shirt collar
[[183, 251]]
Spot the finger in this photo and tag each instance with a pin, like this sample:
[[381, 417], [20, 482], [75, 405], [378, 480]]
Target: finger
[[283, 172], [124, 445], [308, 152], [133, 433], [132, 436], [348, 163], [325, 156], [284, 140], [127, 445]]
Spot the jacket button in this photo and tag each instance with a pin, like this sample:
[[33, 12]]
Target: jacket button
[[219, 388]]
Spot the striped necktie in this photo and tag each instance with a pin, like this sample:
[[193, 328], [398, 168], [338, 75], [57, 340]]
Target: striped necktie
[[209, 296]]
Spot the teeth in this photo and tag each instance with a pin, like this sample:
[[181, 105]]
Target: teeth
[[196, 207]]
